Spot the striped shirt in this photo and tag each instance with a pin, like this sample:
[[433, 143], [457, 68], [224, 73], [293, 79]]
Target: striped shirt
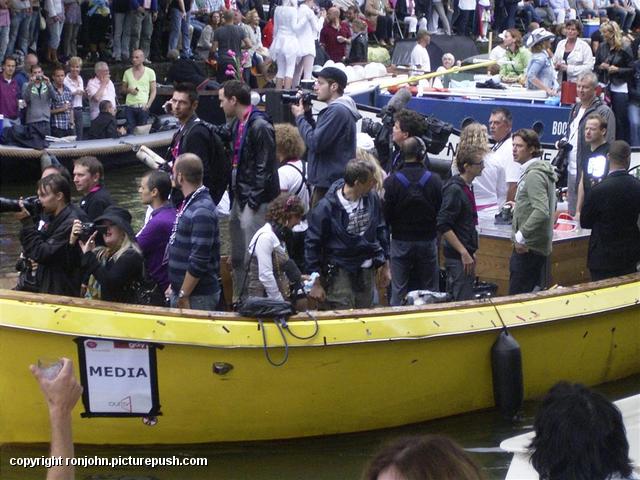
[[195, 245]]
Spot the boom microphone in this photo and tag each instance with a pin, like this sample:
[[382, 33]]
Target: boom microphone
[[399, 100]]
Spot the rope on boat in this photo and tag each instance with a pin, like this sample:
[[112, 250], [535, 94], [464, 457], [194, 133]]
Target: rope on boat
[[282, 326], [279, 322]]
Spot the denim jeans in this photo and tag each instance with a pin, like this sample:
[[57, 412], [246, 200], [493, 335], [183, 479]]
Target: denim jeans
[[34, 30], [141, 31], [179, 27], [208, 303], [121, 35], [4, 40], [135, 117], [55, 32], [19, 33], [414, 265], [634, 124]]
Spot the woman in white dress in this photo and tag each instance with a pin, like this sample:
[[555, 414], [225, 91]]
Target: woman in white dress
[[308, 31], [285, 46]]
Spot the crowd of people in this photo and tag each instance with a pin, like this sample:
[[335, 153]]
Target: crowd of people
[[242, 41], [332, 214]]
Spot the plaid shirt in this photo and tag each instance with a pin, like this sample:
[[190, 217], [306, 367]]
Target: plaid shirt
[[61, 120]]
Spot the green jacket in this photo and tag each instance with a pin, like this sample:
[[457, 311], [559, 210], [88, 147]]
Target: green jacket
[[535, 206], [516, 69]]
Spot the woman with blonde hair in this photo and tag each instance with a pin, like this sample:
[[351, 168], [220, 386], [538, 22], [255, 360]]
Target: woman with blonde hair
[[258, 54], [540, 74], [74, 82], [490, 189], [114, 268], [379, 174], [613, 65]]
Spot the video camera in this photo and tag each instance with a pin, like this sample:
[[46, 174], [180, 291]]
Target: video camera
[[436, 131], [295, 98], [31, 204]]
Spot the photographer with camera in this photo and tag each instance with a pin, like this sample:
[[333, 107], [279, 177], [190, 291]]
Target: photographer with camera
[[45, 245], [588, 103], [114, 268], [331, 140], [407, 124]]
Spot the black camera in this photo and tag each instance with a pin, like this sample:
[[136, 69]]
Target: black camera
[[295, 98], [31, 204], [561, 160], [371, 127], [89, 227]]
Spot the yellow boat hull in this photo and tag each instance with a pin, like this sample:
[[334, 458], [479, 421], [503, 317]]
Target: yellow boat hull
[[363, 370]]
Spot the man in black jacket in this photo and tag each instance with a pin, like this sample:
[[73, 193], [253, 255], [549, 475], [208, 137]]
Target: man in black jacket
[[88, 174], [254, 177], [412, 199], [611, 210], [347, 241], [47, 245], [195, 137], [457, 222], [104, 125]]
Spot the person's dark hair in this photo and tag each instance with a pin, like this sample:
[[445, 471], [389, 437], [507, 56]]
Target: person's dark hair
[[620, 153], [9, 57], [358, 170], [60, 170], [530, 137], [56, 68], [517, 37], [283, 207], [160, 180], [574, 23], [235, 88], [190, 165], [188, 88], [93, 164], [33, 67], [428, 457], [469, 154], [56, 183], [579, 436], [505, 112], [411, 122], [601, 120], [104, 106]]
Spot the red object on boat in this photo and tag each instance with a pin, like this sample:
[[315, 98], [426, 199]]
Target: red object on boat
[[565, 223], [568, 93]]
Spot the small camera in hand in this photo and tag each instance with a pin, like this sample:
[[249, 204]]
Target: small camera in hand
[[87, 229]]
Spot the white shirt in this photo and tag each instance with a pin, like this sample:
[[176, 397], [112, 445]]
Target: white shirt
[[267, 242], [420, 59], [574, 132], [109, 93], [74, 85], [488, 186], [497, 53], [291, 182]]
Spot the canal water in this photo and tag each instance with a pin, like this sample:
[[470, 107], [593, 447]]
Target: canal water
[[331, 458]]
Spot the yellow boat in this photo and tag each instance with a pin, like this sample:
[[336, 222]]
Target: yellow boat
[[362, 370]]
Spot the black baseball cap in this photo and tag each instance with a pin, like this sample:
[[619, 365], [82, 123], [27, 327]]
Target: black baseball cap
[[333, 73]]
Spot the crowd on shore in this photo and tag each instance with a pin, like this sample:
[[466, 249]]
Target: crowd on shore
[[541, 47]]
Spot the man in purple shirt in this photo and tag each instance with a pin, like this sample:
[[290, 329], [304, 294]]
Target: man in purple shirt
[[9, 91], [154, 191]]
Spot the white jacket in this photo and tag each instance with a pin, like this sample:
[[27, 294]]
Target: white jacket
[[579, 61]]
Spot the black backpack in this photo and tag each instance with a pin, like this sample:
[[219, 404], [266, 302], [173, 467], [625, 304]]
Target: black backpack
[[219, 158], [414, 200]]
